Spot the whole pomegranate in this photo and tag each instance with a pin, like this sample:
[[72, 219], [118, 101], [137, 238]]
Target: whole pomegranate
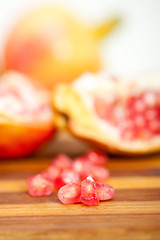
[[121, 115], [51, 45], [26, 117]]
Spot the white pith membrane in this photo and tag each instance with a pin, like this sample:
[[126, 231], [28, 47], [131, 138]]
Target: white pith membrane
[[22, 100], [102, 85]]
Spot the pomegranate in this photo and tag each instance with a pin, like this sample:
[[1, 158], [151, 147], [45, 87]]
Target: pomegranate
[[50, 45], [122, 116], [67, 176], [51, 173], [89, 194], [39, 186], [104, 191], [70, 193], [26, 117], [62, 161]]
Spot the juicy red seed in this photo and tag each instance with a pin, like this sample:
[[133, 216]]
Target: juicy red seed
[[104, 191], [51, 173], [67, 176], [58, 182], [135, 114], [89, 192], [39, 186], [81, 165], [70, 193], [96, 157], [62, 162], [99, 173]]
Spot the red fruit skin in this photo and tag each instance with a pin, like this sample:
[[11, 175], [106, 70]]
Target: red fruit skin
[[70, 193], [96, 157], [104, 191], [89, 192], [21, 141], [62, 162], [51, 173], [99, 173], [39, 186], [66, 176]]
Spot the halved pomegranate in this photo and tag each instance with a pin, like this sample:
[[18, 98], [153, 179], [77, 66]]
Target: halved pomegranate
[[26, 117], [122, 115]]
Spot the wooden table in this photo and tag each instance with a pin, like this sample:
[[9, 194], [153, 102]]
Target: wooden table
[[134, 213]]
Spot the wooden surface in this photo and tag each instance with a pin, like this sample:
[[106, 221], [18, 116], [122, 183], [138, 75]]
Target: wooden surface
[[134, 213]]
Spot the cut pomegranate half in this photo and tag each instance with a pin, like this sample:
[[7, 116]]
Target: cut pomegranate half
[[26, 117], [39, 186], [123, 116]]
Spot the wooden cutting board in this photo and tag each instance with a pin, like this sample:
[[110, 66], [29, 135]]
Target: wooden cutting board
[[134, 213]]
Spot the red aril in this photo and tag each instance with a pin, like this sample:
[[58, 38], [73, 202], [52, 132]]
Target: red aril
[[62, 161], [104, 191], [82, 166], [95, 157], [89, 192], [66, 176], [39, 186], [99, 173], [51, 173], [70, 193]]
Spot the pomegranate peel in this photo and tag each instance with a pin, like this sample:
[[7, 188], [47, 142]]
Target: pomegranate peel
[[119, 132]]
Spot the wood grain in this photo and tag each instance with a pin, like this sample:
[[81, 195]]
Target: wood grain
[[134, 213]]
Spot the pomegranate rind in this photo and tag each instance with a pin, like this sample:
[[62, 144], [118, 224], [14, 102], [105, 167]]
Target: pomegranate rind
[[68, 100]]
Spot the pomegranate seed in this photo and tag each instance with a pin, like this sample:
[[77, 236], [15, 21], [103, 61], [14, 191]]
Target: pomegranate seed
[[139, 114], [89, 192], [70, 193], [39, 186], [128, 134], [149, 98], [96, 157], [51, 173], [62, 161], [58, 182], [104, 191], [100, 107], [99, 173], [82, 165], [67, 176]]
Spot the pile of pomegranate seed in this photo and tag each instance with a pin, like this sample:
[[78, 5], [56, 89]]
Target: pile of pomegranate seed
[[137, 117], [89, 192], [65, 175]]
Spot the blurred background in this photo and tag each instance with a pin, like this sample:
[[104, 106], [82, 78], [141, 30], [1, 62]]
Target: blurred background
[[134, 45], [120, 36]]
